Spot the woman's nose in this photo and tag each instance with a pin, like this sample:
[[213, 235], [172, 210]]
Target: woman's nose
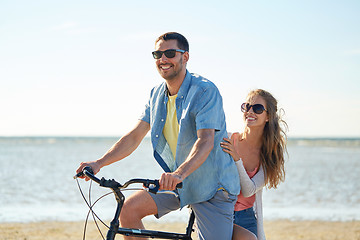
[[251, 110]]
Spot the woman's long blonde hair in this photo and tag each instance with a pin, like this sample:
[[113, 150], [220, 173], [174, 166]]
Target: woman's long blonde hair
[[274, 139]]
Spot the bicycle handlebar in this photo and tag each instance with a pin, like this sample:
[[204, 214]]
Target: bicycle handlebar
[[152, 185], [149, 185]]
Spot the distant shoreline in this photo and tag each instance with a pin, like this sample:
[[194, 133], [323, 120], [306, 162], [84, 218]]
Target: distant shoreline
[[330, 138]]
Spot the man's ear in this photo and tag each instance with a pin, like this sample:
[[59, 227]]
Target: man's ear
[[186, 57]]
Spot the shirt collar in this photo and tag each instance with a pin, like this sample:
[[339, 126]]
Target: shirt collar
[[183, 88]]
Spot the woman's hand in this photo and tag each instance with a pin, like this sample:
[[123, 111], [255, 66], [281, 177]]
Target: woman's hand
[[228, 147]]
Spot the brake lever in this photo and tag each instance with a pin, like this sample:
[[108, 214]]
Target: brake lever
[[152, 187], [168, 192]]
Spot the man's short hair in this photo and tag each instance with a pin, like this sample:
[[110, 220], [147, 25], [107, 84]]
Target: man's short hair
[[183, 44]]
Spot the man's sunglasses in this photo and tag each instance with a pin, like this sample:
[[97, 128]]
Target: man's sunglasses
[[257, 108], [170, 53]]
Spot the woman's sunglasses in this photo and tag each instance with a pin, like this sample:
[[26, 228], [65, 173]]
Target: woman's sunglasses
[[170, 53], [257, 108]]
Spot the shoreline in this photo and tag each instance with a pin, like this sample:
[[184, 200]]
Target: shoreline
[[274, 229]]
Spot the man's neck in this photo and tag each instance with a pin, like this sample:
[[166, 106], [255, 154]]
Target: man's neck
[[174, 84]]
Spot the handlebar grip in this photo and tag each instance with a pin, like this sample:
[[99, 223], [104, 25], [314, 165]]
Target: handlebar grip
[[155, 187], [89, 169], [179, 185], [82, 174]]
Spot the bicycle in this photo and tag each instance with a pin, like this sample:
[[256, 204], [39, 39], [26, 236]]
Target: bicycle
[[117, 188]]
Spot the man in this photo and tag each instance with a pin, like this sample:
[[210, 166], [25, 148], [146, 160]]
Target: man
[[187, 123]]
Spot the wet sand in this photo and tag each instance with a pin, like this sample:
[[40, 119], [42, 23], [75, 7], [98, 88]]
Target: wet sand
[[275, 230]]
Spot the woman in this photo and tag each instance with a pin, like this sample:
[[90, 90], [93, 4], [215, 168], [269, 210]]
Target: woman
[[259, 156]]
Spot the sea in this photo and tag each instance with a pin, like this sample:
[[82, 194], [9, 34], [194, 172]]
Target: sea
[[322, 179]]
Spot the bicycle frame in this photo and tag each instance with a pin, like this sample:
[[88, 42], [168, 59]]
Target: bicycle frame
[[114, 228]]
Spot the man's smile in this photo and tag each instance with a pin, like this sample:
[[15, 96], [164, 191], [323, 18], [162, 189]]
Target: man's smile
[[165, 66]]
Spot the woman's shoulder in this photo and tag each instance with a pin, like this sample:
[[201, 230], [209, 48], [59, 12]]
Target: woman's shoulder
[[235, 135]]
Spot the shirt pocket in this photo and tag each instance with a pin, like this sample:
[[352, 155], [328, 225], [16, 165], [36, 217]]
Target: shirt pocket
[[187, 132]]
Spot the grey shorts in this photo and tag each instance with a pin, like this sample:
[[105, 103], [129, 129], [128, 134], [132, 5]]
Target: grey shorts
[[214, 218], [165, 203]]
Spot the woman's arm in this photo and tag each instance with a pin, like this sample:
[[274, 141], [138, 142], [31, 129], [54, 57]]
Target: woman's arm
[[250, 186]]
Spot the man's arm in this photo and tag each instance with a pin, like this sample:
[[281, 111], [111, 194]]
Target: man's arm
[[121, 149], [198, 154]]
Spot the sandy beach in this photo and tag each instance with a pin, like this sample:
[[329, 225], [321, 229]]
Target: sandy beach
[[275, 230]]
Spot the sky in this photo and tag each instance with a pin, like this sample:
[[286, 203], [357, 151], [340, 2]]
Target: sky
[[84, 68]]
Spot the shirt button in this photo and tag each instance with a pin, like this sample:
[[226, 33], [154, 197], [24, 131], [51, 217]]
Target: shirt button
[[162, 120], [157, 135]]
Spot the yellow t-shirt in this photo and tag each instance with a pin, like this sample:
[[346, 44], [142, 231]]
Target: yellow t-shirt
[[171, 128]]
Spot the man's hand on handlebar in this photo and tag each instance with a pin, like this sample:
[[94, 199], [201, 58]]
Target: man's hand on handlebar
[[93, 165], [168, 181]]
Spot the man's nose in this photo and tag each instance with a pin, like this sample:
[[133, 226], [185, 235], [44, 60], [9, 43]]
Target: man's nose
[[163, 58]]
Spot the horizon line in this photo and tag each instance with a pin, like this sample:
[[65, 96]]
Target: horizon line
[[120, 135]]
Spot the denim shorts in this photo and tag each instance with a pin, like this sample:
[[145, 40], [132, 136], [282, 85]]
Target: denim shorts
[[246, 219]]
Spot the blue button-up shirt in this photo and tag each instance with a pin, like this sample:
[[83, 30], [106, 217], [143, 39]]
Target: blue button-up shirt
[[198, 106]]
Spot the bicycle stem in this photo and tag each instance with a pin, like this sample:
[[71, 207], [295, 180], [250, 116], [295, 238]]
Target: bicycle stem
[[114, 224]]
